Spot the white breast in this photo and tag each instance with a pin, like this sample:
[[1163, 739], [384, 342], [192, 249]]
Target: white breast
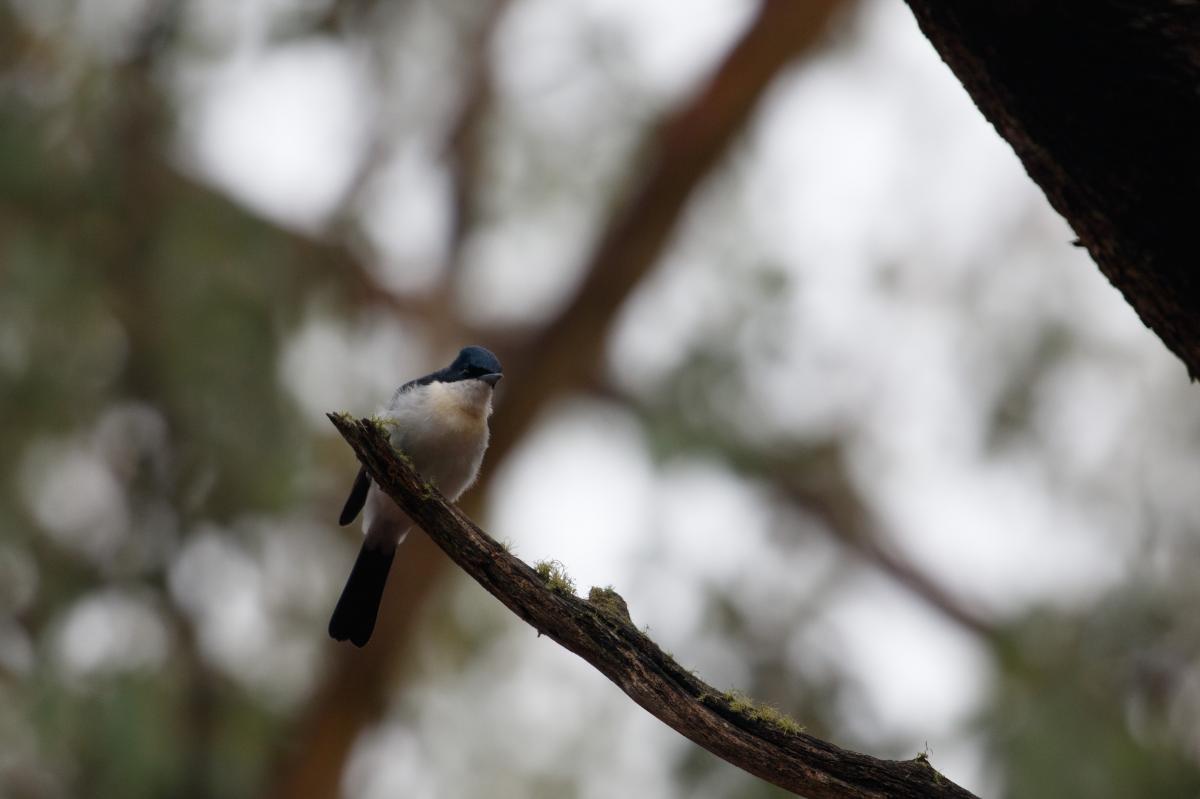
[[443, 428]]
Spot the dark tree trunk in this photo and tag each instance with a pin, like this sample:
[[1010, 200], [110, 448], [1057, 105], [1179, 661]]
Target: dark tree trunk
[[1101, 101]]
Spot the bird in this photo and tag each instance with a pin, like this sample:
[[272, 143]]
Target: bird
[[440, 422]]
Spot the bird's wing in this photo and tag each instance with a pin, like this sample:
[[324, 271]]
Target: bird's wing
[[357, 498]]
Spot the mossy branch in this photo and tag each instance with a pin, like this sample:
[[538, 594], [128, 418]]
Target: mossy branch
[[747, 734]]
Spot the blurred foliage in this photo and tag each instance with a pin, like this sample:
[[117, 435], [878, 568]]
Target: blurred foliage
[[1103, 703], [142, 321]]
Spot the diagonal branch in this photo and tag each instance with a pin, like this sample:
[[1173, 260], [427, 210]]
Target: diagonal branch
[[599, 631]]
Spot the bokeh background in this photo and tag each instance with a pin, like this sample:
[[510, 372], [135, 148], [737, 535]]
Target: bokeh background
[[798, 358]]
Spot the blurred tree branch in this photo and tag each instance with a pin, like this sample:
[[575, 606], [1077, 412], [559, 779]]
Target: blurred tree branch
[[1098, 99], [464, 150], [686, 146], [750, 736], [813, 477], [818, 483]]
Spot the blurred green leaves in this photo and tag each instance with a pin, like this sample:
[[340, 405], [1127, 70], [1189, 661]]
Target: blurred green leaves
[[1083, 704]]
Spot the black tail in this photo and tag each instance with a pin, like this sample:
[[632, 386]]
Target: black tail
[[354, 616]]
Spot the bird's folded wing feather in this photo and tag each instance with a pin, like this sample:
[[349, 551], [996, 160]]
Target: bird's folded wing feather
[[357, 498]]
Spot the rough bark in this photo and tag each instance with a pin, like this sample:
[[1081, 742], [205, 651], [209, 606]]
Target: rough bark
[[599, 630], [1099, 100]]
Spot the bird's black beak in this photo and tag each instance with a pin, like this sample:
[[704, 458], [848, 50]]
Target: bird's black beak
[[492, 379]]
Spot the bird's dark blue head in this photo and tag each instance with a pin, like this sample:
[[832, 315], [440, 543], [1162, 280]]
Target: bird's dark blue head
[[473, 363]]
